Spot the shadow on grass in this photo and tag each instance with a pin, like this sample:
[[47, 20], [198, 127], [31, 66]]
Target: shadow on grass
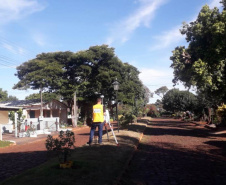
[[15, 163]]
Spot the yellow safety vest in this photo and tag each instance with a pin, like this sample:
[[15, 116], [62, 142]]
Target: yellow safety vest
[[98, 113]]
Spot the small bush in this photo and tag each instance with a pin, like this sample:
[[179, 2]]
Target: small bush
[[62, 145], [127, 118]]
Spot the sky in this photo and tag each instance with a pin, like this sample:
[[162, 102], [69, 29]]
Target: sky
[[143, 32]]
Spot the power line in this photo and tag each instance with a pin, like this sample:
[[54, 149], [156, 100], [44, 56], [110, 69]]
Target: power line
[[15, 49], [25, 52]]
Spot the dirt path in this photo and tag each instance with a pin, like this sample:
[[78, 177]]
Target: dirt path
[[26, 155], [173, 152]]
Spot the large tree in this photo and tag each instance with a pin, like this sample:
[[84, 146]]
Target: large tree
[[202, 63], [88, 73]]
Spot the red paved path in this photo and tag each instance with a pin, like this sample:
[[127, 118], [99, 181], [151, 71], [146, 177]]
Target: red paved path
[[177, 153]]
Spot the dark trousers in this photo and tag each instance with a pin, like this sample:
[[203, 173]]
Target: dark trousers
[[100, 131]]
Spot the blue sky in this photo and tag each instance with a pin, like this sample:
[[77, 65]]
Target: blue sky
[[143, 33]]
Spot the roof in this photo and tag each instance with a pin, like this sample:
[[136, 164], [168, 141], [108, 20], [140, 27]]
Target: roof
[[20, 103], [17, 104], [2, 108]]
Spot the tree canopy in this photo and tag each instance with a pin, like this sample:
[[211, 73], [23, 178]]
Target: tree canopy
[[45, 96], [176, 100], [202, 63], [88, 72]]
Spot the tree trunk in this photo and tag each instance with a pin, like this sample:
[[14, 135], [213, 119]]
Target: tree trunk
[[74, 113]]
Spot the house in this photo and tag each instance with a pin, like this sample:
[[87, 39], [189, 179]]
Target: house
[[32, 108], [4, 118], [40, 117]]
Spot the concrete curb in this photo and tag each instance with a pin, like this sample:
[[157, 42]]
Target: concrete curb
[[129, 158]]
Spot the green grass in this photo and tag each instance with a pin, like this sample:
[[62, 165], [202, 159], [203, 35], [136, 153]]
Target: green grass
[[92, 165], [4, 143]]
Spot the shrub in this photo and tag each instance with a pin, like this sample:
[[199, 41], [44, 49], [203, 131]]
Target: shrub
[[62, 145], [221, 113], [127, 118]]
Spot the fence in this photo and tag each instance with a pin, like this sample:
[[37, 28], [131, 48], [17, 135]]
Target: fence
[[52, 124]]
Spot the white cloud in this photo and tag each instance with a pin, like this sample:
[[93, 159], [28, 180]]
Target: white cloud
[[16, 9], [21, 50], [167, 38], [215, 3], [154, 79], [141, 17], [39, 39]]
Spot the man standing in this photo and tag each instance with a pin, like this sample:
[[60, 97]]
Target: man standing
[[98, 121]]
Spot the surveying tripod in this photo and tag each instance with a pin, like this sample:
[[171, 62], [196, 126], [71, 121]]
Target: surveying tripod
[[107, 119], [110, 125]]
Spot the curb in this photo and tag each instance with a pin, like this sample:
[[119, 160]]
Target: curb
[[129, 158]]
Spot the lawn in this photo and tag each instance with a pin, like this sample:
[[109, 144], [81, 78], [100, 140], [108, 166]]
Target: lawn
[[4, 143], [92, 164]]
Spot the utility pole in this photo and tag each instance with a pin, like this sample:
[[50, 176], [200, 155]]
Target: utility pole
[[15, 119], [41, 110], [0, 132], [75, 110]]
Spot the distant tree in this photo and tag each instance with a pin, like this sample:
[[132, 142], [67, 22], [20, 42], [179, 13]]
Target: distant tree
[[176, 100], [12, 98], [161, 91], [159, 105], [4, 96], [147, 95], [46, 96]]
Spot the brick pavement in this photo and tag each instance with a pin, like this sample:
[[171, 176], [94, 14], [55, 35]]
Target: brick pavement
[[173, 152], [30, 152]]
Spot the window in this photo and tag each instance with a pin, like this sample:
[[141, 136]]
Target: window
[[32, 114]]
